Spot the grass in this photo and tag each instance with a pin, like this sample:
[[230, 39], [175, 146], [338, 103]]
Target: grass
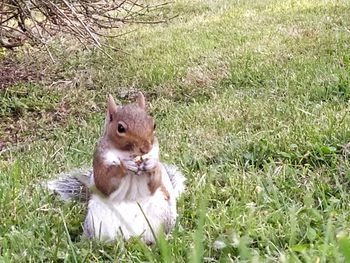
[[251, 100]]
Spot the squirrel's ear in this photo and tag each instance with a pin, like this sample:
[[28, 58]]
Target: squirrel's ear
[[111, 108], [141, 100]]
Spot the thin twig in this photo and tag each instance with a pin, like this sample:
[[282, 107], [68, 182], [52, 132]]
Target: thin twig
[[83, 24]]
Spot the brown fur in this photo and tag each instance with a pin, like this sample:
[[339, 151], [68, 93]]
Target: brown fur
[[155, 179], [106, 177], [165, 192], [140, 129], [156, 182]]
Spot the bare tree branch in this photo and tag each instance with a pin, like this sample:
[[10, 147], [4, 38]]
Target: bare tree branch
[[35, 21]]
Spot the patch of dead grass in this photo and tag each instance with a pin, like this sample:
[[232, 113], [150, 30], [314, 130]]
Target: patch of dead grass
[[201, 75], [12, 72]]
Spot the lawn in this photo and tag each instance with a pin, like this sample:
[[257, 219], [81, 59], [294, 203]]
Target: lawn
[[251, 100]]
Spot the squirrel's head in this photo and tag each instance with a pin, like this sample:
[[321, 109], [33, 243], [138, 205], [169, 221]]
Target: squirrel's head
[[130, 127]]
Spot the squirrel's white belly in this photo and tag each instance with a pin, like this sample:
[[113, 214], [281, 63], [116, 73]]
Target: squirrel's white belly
[[132, 187], [108, 219]]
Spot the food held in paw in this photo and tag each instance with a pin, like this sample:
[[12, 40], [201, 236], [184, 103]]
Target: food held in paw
[[138, 160]]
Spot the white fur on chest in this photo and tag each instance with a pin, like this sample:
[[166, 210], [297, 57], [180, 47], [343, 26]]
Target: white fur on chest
[[131, 188], [113, 157], [108, 219], [131, 210]]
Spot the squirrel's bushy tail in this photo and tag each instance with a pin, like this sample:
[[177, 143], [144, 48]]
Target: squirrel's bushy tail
[[176, 179], [75, 184]]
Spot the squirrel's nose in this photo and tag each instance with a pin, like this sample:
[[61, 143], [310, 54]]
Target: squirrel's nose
[[145, 148]]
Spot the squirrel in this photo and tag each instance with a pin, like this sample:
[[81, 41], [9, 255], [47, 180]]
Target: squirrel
[[127, 147], [128, 190]]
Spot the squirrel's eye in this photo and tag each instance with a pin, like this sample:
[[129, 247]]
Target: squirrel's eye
[[154, 126], [121, 128]]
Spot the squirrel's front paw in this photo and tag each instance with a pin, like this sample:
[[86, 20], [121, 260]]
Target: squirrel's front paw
[[149, 164], [130, 165]]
